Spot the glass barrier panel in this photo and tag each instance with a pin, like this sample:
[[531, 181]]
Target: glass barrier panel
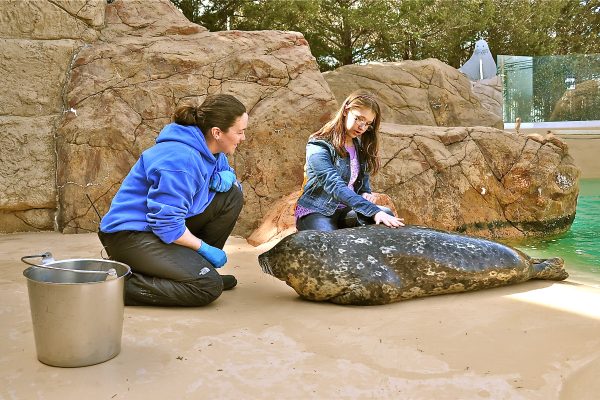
[[550, 88]]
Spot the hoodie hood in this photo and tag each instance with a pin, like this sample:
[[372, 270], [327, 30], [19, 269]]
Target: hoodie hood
[[189, 135]]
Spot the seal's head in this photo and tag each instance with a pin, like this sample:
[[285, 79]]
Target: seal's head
[[309, 262], [290, 256]]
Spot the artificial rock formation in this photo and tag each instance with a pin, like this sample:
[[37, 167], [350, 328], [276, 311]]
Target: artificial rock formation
[[91, 85], [125, 89], [579, 104], [489, 93], [88, 86], [426, 92], [37, 41], [480, 181]]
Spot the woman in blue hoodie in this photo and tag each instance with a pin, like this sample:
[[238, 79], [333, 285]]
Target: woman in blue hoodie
[[340, 157], [177, 206]]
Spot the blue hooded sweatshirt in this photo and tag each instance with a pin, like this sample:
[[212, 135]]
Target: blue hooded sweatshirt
[[169, 183]]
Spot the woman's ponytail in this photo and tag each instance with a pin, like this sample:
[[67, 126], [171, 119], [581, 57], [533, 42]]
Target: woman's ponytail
[[185, 115], [217, 110]]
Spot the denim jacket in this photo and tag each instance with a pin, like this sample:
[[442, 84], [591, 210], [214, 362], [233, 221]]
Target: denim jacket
[[326, 178]]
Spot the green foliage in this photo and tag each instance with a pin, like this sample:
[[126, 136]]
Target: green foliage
[[343, 32], [578, 27]]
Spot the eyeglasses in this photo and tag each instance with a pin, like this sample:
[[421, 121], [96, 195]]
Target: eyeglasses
[[360, 120]]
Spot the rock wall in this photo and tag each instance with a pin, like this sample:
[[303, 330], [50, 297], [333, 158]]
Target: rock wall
[[76, 120], [489, 93], [481, 181], [38, 39], [90, 85], [125, 87], [579, 104], [426, 92]]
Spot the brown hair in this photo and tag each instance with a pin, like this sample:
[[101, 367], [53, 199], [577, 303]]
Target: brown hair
[[334, 131], [217, 110]]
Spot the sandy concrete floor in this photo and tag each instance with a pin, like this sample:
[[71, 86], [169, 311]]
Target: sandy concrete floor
[[537, 340], [585, 149]]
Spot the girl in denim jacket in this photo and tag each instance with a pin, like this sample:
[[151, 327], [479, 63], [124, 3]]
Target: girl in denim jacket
[[339, 160]]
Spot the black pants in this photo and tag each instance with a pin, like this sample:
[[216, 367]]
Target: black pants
[[341, 218], [170, 274]]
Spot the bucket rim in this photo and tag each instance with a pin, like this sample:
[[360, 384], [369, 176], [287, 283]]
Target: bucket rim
[[34, 267], [89, 259]]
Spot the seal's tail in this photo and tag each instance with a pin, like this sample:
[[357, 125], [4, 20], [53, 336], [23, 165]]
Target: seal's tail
[[551, 268]]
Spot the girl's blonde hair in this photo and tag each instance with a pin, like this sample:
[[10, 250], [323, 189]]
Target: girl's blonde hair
[[334, 131]]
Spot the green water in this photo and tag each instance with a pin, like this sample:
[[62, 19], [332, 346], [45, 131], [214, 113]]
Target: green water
[[578, 247]]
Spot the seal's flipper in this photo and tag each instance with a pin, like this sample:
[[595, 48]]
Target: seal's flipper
[[551, 269]]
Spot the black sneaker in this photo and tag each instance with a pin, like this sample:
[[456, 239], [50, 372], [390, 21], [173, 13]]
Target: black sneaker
[[229, 282]]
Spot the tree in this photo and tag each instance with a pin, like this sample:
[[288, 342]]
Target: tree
[[446, 30], [577, 28], [212, 15], [344, 32]]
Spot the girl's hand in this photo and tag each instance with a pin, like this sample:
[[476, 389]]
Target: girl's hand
[[369, 196], [388, 220]]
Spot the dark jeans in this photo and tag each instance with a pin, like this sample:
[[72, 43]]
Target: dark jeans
[[170, 274], [341, 218]]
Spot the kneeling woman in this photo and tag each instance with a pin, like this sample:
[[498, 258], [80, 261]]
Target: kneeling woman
[[177, 206], [339, 160]]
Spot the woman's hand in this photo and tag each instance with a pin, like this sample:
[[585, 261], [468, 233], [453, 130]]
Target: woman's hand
[[388, 220], [369, 196], [222, 181], [213, 255]]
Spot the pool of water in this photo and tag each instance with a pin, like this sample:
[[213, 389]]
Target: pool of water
[[579, 246]]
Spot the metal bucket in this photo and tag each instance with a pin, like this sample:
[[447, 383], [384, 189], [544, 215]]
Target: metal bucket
[[76, 309]]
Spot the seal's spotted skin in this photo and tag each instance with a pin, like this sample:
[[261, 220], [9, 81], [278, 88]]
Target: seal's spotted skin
[[377, 265]]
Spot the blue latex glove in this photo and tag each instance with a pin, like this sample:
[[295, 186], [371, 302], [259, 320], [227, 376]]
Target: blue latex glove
[[213, 255], [222, 181]]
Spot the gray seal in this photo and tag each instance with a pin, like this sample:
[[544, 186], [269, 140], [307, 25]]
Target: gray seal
[[373, 264]]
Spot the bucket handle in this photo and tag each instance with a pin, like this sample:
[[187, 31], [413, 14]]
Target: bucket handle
[[47, 258]]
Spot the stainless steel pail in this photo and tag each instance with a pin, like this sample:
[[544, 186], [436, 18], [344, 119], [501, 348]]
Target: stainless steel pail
[[77, 310]]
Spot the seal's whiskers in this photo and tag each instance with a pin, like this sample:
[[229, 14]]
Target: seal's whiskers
[[264, 265]]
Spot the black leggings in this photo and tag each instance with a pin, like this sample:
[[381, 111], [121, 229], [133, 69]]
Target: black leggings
[[341, 218], [170, 274]]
